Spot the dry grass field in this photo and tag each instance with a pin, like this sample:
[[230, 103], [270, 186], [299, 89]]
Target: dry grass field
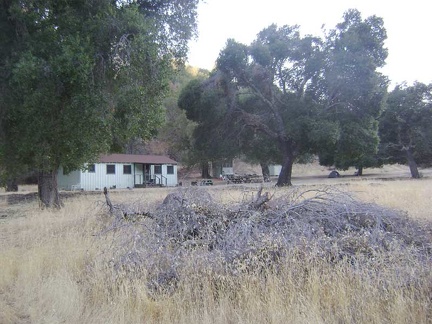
[[55, 268]]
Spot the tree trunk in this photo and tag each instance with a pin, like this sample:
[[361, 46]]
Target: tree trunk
[[48, 189], [265, 171], [286, 172], [205, 174], [12, 185], [360, 171], [287, 164], [412, 164]]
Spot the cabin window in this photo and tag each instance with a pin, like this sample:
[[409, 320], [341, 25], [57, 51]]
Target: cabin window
[[170, 169], [91, 168], [158, 169], [110, 169], [227, 164], [127, 169]]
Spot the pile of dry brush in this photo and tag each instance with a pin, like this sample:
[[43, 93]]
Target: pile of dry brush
[[191, 233]]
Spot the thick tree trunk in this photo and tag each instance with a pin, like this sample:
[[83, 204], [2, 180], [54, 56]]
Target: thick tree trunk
[[286, 172], [265, 171], [360, 171], [412, 164], [205, 174], [48, 189], [287, 164], [12, 185]]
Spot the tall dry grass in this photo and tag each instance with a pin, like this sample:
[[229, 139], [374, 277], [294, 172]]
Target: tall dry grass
[[411, 196], [52, 272]]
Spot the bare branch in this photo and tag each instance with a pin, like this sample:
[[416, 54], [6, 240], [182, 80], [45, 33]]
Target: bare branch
[[254, 237]]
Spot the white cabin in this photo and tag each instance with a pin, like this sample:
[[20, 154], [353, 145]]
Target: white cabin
[[275, 169], [121, 171]]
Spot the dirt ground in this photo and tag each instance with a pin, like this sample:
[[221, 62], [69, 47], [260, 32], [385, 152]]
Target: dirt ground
[[313, 173]]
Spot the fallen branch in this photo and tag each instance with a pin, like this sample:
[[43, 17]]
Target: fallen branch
[[125, 211], [256, 236], [260, 199], [108, 200]]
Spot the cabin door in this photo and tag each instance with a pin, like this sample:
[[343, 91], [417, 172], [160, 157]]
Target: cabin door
[[139, 175]]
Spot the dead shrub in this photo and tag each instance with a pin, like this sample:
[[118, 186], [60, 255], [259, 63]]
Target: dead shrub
[[191, 235]]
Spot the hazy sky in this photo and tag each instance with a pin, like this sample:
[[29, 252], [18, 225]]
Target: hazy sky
[[408, 25]]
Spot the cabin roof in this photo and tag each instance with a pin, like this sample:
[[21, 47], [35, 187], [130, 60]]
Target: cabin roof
[[135, 158]]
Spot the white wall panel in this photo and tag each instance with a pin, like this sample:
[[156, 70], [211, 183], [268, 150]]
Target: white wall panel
[[69, 181], [99, 179]]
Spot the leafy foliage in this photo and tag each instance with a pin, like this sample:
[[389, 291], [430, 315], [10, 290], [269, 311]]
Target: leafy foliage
[[269, 89], [287, 97], [175, 23], [177, 131], [353, 90], [213, 137], [405, 132], [83, 77]]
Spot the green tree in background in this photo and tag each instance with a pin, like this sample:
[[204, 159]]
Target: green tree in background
[[213, 136], [286, 97], [269, 89], [257, 148], [177, 131], [405, 127], [352, 89], [80, 78]]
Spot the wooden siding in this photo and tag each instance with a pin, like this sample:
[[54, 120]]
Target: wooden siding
[[71, 181], [85, 180], [100, 179], [169, 180], [275, 169]]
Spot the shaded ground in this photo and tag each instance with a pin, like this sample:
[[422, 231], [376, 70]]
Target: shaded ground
[[312, 173]]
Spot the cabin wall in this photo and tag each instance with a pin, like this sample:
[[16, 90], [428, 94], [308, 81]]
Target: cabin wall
[[164, 178], [70, 181], [275, 169], [99, 179], [172, 179]]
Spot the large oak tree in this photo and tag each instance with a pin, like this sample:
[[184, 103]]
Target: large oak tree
[[79, 78], [306, 95], [269, 89], [353, 90]]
